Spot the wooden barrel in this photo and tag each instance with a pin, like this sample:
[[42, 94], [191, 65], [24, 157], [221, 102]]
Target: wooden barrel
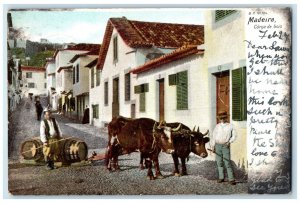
[[74, 150], [32, 149]]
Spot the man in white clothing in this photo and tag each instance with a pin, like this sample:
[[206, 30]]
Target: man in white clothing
[[223, 135], [50, 134]]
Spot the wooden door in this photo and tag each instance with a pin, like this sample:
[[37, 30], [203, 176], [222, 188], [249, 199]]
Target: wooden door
[[115, 93], [161, 100], [223, 93]]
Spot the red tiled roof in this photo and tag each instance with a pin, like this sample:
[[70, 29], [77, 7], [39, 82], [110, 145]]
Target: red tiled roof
[[147, 34], [177, 54], [79, 47], [33, 68], [94, 52], [64, 68]]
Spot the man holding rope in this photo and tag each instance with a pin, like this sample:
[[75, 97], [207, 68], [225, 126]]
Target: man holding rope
[[223, 135], [50, 133]]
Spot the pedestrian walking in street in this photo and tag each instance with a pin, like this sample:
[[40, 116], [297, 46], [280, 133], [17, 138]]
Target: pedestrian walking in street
[[39, 110], [86, 115], [50, 134], [223, 135]]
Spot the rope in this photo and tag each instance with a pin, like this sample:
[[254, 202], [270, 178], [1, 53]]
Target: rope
[[49, 144]]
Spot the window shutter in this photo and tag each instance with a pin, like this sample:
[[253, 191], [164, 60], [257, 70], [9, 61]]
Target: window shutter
[[73, 75], [145, 87], [220, 14], [172, 79], [98, 72], [137, 89], [92, 78], [127, 87], [106, 93], [115, 43], [142, 102], [77, 72], [182, 91], [239, 98]]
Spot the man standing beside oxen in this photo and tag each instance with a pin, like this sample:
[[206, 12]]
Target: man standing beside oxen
[[223, 135]]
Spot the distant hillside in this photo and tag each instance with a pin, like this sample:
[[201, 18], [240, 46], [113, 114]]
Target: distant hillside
[[34, 47], [39, 59]]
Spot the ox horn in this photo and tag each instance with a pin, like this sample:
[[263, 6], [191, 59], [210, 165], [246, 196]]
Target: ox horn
[[198, 129], [154, 127], [176, 129], [194, 128], [206, 133]]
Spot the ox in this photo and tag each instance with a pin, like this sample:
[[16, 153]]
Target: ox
[[186, 141], [139, 134]]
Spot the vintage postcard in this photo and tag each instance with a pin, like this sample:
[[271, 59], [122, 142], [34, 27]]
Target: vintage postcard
[[149, 101]]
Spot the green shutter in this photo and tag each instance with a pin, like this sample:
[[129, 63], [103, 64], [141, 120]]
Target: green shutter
[[137, 89], [172, 79], [220, 14], [182, 90], [145, 87], [239, 97], [142, 102]]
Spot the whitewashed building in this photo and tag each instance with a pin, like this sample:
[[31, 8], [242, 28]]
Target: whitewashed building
[[176, 88], [94, 91], [34, 81], [126, 45], [225, 56], [64, 75], [81, 80], [51, 83]]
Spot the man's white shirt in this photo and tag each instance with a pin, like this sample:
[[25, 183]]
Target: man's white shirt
[[224, 133], [52, 131]]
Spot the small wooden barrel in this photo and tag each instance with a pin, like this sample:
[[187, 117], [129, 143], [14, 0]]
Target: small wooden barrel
[[32, 149], [74, 150]]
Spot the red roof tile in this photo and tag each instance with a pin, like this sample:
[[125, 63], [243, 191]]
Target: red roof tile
[[94, 52], [33, 68], [177, 54], [79, 47], [147, 34]]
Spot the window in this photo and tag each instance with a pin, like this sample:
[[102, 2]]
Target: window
[[31, 85], [92, 77], [182, 90], [142, 89], [98, 72], [239, 94], [143, 102], [106, 93], [73, 75], [45, 75], [77, 73], [95, 111], [221, 14], [127, 87], [115, 49], [45, 85], [29, 75]]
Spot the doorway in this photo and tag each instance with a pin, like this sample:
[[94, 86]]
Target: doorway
[[161, 97], [223, 92]]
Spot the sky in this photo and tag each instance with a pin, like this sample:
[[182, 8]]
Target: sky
[[88, 25]]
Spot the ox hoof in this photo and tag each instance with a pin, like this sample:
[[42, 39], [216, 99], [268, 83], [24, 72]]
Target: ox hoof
[[159, 176], [142, 167], [177, 174], [150, 177]]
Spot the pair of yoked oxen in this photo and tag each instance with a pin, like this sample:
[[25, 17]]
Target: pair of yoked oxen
[[149, 137]]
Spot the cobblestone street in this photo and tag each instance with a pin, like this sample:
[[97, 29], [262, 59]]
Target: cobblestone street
[[94, 179]]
